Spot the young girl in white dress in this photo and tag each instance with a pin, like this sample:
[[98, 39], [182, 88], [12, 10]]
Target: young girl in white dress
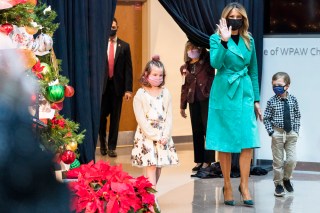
[[153, 146]]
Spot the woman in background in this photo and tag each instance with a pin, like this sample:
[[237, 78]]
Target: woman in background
[[197, 78]]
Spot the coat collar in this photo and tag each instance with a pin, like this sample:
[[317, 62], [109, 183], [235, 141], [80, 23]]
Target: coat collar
[[239, 49]]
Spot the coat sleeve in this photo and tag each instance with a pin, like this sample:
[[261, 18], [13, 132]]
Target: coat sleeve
[[184, 91], [140, 114], [217, 51], [168, 122], [253, 71], [128, 69]]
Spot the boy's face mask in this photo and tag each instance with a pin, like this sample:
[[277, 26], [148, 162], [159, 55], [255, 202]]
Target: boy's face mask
[[279, 90]]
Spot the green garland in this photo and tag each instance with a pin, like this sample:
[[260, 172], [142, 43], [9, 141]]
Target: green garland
[[60, 132], [24, 14], [56, 137], [46, 20], [20, 15]]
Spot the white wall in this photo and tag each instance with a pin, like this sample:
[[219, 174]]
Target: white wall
[[300, 58], [168, 40]]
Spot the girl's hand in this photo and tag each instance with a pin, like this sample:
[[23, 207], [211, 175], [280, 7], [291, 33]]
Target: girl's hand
[[257, 110], [224, 31], [163, 141]]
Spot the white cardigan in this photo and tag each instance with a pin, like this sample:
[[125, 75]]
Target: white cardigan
[[141, 107]]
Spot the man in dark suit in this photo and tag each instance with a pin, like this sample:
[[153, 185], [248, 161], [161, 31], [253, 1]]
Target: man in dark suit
[[117, 83]]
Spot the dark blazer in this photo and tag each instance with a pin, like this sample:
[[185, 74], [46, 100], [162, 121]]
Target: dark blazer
[[122, 76], [198, 84]]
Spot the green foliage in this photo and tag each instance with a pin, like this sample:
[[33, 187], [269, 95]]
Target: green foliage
[[24, 14], [60, 132], [20, 15], [46, 19]]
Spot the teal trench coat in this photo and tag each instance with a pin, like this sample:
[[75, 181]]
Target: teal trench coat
[[232, 124]]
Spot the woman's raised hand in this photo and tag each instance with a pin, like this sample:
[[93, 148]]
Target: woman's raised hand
[[224, 31]]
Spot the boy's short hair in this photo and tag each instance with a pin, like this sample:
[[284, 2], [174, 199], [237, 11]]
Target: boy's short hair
[[284, 75]]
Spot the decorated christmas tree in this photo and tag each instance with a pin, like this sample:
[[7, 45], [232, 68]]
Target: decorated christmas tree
[[26, 28]]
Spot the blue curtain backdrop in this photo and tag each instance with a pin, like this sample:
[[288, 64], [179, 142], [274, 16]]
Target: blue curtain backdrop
[[80, 42], [198, 19]]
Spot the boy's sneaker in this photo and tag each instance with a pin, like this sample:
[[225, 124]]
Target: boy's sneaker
[[279, 192], [287, 185]]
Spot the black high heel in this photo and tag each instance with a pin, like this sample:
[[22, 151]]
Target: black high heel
[[245, 202], [228, 202]]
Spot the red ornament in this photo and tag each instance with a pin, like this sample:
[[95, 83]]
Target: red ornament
[[68, 91], [33, 99], [68, 156], [6, 28], [57, 106]]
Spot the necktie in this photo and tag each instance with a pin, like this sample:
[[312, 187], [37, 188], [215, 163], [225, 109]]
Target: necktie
[[111, 58], [286, 116]]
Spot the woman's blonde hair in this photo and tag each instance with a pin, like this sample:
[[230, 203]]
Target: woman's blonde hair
[[243, 31]]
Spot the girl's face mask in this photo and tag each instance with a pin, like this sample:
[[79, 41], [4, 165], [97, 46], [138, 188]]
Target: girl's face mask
[[194, 53], [155, 81]]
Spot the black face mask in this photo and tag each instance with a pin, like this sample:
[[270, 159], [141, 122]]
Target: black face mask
[[235, 23], [113, 33]]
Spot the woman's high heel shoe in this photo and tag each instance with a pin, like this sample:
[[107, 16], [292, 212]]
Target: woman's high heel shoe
[[245, 202], [228, 202]]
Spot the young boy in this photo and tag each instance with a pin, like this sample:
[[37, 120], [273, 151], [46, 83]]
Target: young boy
[[282, 121]]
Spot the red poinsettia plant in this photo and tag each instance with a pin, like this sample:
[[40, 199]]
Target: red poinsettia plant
[[104, 188]]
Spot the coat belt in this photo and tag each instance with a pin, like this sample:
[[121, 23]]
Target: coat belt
[[234, 80]]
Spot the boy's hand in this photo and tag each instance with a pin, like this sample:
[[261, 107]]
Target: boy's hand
[[257, 110]]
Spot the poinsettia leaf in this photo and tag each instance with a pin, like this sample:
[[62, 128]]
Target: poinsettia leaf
[[121, 187], [152, 190], [113, 206]]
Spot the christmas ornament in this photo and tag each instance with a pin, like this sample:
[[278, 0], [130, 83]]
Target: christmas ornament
[[57, 106], [44, 120], [46, 68], [55, 93], [68, 91], [72, 146], [68, 156], [45, 44], [31, 30], [33, 99], [28, 58], [48, 9], [21, 38], [6, 28], [75, 164]]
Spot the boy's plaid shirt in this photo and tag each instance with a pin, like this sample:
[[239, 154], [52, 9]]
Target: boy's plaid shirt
[[273, 115]]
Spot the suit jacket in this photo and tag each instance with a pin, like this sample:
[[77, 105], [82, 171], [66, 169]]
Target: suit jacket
[[122, 75], [197, 85]]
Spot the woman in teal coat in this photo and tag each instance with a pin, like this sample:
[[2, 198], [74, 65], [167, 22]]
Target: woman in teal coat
[[234, 97]]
